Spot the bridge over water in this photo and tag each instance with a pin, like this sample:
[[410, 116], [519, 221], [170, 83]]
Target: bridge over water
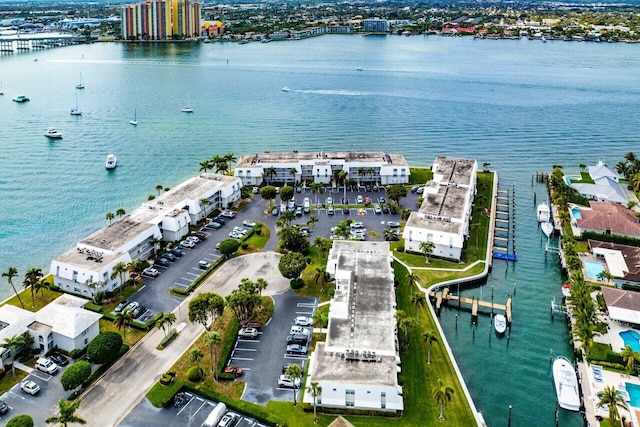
[[28, 42]]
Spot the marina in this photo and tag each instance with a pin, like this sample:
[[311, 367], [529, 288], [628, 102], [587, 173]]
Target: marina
[[399, 97]]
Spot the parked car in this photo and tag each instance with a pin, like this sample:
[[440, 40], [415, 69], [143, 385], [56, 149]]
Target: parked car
[[121, 306], [201, 235], [255, 190], [240, 230], [393, 224], [150, 271], [204, 264], [169, 256], [297, 339], [248, 324], [359, 199], [30, 387], [329, 201], [286, 366], [220, 220], [275, 212], [162, 261], [346, 211], [213, 224], [59, 359], [298, 330], [193, 239], [420, 190], [285, 381], [248, 223], [248, 333], [297, 349], [138, 311], [415, 188], [330, 210], [177, 252], [381, 199], [377, 209], [228, 214], [229, 420], [46, 365], [298, 211], [235, 235], [368, 187], [303, 321], [367, 200], [131, 306], [357, 224], [237, 371], [3, 407], [187, 244]]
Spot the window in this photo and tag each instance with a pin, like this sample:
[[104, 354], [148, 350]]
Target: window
[[383, 400], [350, 398], [86, 341]]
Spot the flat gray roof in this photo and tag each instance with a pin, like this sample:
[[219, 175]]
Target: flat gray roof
[[82, 259], [192, 189], [122, 231], [348, 156], [455, 169]]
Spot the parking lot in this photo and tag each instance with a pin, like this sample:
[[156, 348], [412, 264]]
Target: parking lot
[[39, 406], [192, 413]]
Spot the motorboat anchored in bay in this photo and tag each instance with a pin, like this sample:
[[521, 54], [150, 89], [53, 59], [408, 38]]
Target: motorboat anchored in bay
[[566, 382], [53, 133], [111, 162], [500, 323]]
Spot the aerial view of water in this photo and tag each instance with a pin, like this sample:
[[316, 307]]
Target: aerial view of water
[[519, 105]]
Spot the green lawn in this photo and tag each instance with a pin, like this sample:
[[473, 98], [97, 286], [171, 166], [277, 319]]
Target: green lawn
[[256, 241], [133, 334], [8, 380], [312, 288], [431, 277], [420, 175]]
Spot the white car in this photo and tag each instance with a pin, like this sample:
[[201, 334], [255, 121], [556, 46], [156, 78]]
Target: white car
[[228, 214], [229, 420], [359, 200], [285, 381], [298, 330], [248, 333], [235, 235], [248, 223], [357, 224], [46, 365], [256, 190], [30, 387], [193, 239], [150, 271], [329, 201], [187, 244], [303, 321]]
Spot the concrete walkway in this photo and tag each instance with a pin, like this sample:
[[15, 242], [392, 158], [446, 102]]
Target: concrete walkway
[[23, 367], [111, 398]]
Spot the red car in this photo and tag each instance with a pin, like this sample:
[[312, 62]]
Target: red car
[[248, 324], [233, 370]]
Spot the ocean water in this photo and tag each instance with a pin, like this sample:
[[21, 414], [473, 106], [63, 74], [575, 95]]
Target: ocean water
[[519, 105]]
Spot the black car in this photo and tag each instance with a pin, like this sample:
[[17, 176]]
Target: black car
[[177, 252], [385, 210], [58, 359], [297, 339], [346, 211], [121, 306], [162, 261], [3, 407], [169, 256]]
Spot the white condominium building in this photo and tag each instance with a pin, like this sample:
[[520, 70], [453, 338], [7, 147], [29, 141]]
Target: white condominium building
[[443, 217], [358, 364], [322, 167]]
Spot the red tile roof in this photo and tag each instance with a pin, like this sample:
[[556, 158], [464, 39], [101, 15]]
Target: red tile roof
[[605, 216]]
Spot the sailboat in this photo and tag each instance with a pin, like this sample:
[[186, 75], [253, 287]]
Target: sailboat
[[188, 108], [80, 85], [134, 122], [76, 111]]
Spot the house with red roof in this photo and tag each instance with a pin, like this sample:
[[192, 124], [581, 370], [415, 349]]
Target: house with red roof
[[607, 218]]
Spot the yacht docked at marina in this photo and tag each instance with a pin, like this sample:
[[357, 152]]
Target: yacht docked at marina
[[566, 382], [544, 213]]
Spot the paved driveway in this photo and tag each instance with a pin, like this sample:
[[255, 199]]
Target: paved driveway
[[40, 406]]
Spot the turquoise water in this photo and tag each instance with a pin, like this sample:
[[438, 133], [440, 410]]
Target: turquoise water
[[498, 102], [593, 268], [634, 394], [575, 213], [631, 338]]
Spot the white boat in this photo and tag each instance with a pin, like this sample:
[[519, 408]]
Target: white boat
[[566, 382], [544, 213], [80, 85], [188, 108], [500, 323], [547, 228], [52, 133], [360, 69], [285, 89], [21, 98], [134, 122], [76, 111], [111, 162], [566, 290]]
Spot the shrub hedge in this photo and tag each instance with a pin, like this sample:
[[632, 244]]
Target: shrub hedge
[[194, 374], [186, 291], [612, 238], [160, 396], [167, 339]]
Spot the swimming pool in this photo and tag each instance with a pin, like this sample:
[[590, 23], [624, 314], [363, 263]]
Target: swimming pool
[[593, 268], [575, 213], [631, 338], [634, 394]]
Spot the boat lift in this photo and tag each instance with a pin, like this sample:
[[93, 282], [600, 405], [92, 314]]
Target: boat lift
[[558, 308]]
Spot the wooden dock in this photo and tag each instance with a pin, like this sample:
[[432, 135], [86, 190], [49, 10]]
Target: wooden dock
[[445, 296]]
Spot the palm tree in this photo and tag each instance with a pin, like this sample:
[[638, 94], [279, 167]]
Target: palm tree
[[123, 321], [119, 270], [212, 340], [204, 165], [427, 249], [109, 217], [31, 277], [630, 357], [635, 181], [584, 333], [10, 274], [429, 337], [316, 187], [270, 172], [159, 188], [315, 391], [320, 318], [230, 158], [121, 212], [485, 167], [204, 202], [312, 221], [322, 274], [293, 172], [630, 157], [67, 414], [564, 218], [361, 172], [419, 300], [442, 395], [40, 286], [196, 356], [261, 284], [411, 279], [612, 398], [293, 373], [322, 243], [14, 343], [288, 216]]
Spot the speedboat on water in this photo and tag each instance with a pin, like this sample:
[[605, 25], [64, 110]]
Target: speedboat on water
[[544, 213], [285, 89], [500, 323], [52, 133], [566, 382], [111, 162], [547, 228], [21, 98]]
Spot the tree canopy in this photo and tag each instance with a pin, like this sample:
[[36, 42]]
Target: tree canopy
[[75, 375], [268, 192], [205, 307], [291, 265], [396, 192], [286, 193], [293, 240], [228, 247], [104, 348]]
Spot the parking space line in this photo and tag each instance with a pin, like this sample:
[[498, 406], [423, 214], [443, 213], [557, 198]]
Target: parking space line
[[186, 404], [187, 279], [198, 410], [304, 312], [37, 374], [192, 274], [246, 349], [16, 394], [294, 357], [242, 358], [242, 340], [182, 285]]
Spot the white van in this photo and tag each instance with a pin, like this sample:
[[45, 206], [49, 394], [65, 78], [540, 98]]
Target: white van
[[46, 365], [307, 205], [215, 416]]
